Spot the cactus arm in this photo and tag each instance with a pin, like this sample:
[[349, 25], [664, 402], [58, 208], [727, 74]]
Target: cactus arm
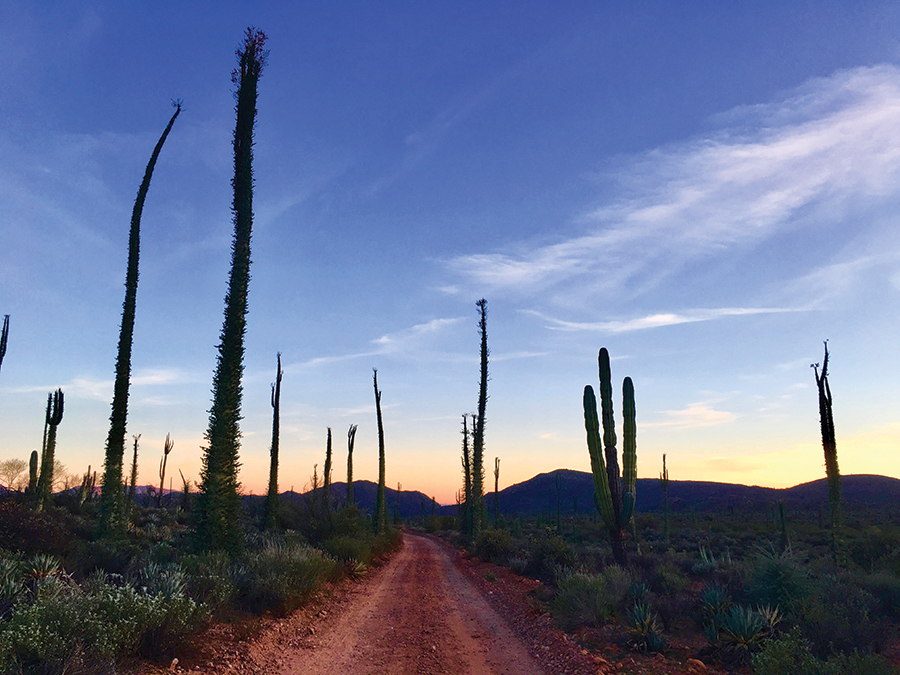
[[602, 495], [629, 439], [606, 402]]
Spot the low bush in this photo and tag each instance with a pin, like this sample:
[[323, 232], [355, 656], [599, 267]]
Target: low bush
[[279, 576], [546, 553], [590, 599], [495, 546], [791, 654]]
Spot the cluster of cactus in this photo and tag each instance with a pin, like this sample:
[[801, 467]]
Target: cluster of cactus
[[52, 419], [88, 484], [615, 495]]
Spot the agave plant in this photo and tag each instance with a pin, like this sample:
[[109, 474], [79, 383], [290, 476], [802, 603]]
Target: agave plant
[[715, 601], [742, 627], [645, 633]]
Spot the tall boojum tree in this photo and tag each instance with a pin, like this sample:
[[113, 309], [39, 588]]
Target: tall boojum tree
[[380, 505], [829, 445], [219, 504], [478, 431], [111, 498]]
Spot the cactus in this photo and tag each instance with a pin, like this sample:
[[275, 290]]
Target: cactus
[[351, 438], [270, 516], [4, 336], [87, 487], [52, 419], [167, 448], [614, 496], [32, 472]]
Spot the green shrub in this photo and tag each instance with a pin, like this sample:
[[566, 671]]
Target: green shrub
[[839, 616], [590, 599], [209, 579], [791, 655], [280, 576], [346, 548], [99, 624], [495, 546], [885, 587], [546, 553], [788, 654]]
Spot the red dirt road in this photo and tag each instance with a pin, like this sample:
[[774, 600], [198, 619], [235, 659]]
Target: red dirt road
[[418, 614]]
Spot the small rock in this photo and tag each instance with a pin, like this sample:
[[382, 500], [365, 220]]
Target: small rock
[[312, 630], [600, 661], [173, 665], [695, 666]]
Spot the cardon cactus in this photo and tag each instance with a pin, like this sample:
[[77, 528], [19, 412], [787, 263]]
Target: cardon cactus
[[615, 496]]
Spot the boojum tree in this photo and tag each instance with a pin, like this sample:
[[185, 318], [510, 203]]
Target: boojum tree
[[4, 337], [112, 502], [270, 515], [219, 504], [380, 505], [478, 430], [829, 445], [614, 496]]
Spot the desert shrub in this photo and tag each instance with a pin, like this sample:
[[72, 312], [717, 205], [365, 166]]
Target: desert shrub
[[546, 553], [209, 579], [839, 616], [590, 599], [280, 576], [787, 654], [440, 523], [494, 546], [791, 654], [885, 587], [668, 579], [346, 548], [21, 529], [99, 624]]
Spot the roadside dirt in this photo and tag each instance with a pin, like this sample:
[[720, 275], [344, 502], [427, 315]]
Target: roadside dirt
[[428, 610]]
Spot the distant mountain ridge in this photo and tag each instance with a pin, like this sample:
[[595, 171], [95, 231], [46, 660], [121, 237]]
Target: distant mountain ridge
[[539, 494]]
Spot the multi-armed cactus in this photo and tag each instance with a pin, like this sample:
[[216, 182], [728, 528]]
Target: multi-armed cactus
[[52, 419], [351, 437], [614, 495]]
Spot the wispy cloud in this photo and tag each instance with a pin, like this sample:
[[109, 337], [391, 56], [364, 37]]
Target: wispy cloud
[[694, 416], [829, 149], [417, 338], [653, 320]]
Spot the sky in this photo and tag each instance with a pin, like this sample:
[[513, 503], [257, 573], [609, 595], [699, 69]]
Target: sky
[[709, 190]]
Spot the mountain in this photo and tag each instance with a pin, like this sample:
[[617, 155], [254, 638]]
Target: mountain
[[576, 491]]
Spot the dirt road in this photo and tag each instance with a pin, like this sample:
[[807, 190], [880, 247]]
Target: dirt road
[[417, 614]]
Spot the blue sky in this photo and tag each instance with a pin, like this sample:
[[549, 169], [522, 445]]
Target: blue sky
[[709, 190]]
